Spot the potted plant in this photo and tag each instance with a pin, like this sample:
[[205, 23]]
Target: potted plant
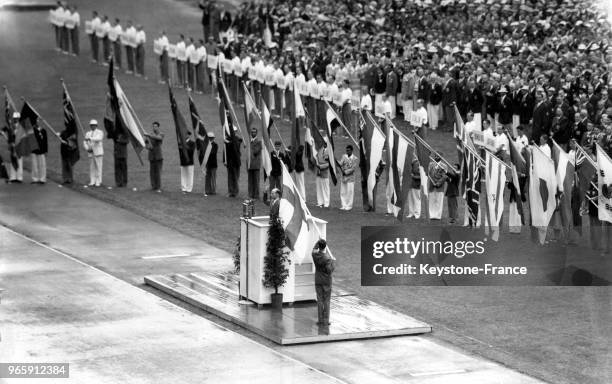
[[275, 261]]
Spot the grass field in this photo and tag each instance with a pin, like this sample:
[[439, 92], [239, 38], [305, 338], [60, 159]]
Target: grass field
[[558, 334]]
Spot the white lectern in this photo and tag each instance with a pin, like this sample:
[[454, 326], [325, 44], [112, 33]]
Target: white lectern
[[253, 239]]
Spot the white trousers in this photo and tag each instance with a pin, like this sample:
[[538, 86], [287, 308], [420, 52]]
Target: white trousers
[[39, 168], [16, 174], [466, 216], [299, 183], [436, 204], [95, 170], [347, 194], [516, 121], [414, 203], [433, 115], [322, 191], [408, 107], [187, 178], [393, 106], [514, 219]]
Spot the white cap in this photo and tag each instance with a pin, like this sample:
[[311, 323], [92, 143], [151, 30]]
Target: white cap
[[93, 122], [16, 115]]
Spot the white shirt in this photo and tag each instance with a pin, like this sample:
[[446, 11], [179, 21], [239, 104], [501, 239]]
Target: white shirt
[[188, 51], [501, 143], [345, 96], [334, 94], [421, 114], [115, 33], [324, 93], [546, 149], [163, 42], [93, 142], [141, 37], [300, 84], [95, 23], [202, 53], [103, 29], [470, 126], [181, 53], [289, 79], [129, 37], [313, 88], [237, 66], [366, 103], [269, 75], [279, 78], [73, 19], [521, 142], [259, 71]]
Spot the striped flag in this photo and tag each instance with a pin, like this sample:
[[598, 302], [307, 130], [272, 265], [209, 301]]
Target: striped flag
[[565, 178], [495, 181], [373, 142], [9, 109], [399, 171], [471, 177], [292, 213], [423, 154], [459, 133], [25, 141], [518, 167], [542, 189], [604, 185], [125, 119], [586, 169], [71, 124], [266, 147], [323, 143], [181, 128], [202, 139]]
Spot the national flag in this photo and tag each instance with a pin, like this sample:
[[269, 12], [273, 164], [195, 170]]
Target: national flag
[[298, 115], [292, 213], [423, 154], [471, 177], [586, 168], [542, 190], [604, 185], [333, 122], [459, 133], [201, 136], [373, 142], [266, 143], [518, 167], [125, 119], [9, 109], [565, 178], [227, 121], [25, 141], [71, 123], [399, 171], [311, 149], [181, 128], [322, 143], [495, 181]]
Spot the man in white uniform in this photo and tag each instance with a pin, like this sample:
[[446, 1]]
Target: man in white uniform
[[348, 165], [95, 151]]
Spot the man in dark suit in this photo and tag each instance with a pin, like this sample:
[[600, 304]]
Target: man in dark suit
[[505, 107], [69, 152], [275, 195], [449, 98], [324, 267], [542, 117], [210, 178], [423, 88], [276, 174], [156, 160], [254, 165], [39, 162], [232, 151], [391, 89], [120, 154]]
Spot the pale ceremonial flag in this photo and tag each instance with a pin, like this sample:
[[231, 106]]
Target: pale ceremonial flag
[[604, 185], [542, 190], [495, 179], [292, 213]]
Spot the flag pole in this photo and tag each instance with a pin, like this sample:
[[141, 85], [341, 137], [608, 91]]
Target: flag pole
[[55, 133], [422, 141], [341, 123], [76, 115], [231, 108]]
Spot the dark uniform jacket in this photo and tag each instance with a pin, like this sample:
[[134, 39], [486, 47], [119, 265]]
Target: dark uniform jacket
[[255, 156], [505, 107], [155, 149], [212, 158], [435, 96], [491, 106], [324, 267], [475, 100], [542, 119], [120, 147], [392, 83], [423, 89], [526, 107], [449, 92], [41, 139], [299, 160]]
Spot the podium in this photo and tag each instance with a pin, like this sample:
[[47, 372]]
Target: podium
[[253, 239]]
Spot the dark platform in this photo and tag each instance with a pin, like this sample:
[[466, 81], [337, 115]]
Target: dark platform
[[351, 317]]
